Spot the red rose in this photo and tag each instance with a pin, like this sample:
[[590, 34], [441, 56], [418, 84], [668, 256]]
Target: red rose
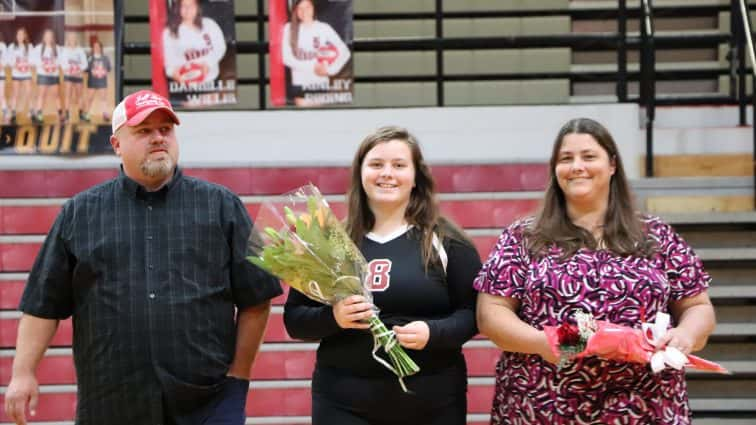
[[568, 334]]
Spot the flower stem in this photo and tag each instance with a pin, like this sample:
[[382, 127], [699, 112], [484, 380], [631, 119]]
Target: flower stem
[[402, 363]]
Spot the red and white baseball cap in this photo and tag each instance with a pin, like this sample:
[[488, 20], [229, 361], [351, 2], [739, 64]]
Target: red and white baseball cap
[[136, 107]]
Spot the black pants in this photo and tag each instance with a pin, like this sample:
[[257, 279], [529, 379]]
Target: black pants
[[435, 399], [225, 408]]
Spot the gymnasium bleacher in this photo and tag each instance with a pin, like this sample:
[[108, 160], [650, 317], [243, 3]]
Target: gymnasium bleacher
[[709, 200]]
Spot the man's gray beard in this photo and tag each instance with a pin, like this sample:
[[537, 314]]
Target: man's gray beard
[[158, 169]]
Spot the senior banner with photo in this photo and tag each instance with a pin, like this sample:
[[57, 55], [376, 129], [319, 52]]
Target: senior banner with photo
[[58, 85], [310, 52], [193, 52]]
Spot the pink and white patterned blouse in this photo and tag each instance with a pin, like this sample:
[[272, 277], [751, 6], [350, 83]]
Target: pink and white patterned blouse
[[619, 289]]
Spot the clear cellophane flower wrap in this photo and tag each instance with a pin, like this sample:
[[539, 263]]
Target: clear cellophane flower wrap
[[590, 337], [301, 241]]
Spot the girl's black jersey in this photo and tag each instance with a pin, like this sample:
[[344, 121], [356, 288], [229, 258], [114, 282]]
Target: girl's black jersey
[[404, 293]]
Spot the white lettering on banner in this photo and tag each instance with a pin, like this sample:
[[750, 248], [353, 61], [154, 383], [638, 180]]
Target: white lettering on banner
[[207, 99], [337, 84], [325, 98], [341, 84], [220, 85], [315, 86]]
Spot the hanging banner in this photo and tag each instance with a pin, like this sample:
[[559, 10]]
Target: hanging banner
[[310, 52], [193, 52], [58, 84]]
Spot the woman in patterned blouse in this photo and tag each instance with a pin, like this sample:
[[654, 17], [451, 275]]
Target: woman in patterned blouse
[[589, 250]]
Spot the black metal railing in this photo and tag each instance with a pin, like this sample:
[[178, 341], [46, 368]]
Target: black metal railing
[[622, 76], [582, 42], [648, 80], [744, 37]]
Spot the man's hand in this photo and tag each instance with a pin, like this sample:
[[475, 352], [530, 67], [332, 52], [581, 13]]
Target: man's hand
[[23, 391]]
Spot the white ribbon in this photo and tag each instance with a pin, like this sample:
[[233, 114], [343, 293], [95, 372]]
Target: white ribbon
[[669, 356], [389, 345]]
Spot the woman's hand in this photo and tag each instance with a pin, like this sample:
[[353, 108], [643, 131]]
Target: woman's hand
[[544, 350], [677, 338], [695, 322], [413, 335], [352, 311]]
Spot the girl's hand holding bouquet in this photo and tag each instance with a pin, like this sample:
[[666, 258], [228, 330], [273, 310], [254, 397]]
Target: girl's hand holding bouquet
[[353, 312]]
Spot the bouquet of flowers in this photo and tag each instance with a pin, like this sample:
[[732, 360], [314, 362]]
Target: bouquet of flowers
[[305, 245], [590, 337]]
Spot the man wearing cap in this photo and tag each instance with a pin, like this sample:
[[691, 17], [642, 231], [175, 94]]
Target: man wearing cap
[[151, 266]]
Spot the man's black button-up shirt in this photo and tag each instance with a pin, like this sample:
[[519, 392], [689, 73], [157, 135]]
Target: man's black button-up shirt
[[152, 280]]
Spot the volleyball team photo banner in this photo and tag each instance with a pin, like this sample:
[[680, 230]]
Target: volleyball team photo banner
[[193, 52], [58, 86], [310, 52]]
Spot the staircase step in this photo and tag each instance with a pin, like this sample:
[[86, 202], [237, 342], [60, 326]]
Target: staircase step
[[724, 420], [590, 68], [727, 254], [736, 312], [723, 404], [700, 203], [735, 292], [697, 117], [711, 219], [726, 330], [698, 165]]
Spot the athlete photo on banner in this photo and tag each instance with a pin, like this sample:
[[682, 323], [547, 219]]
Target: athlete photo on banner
[[193, 51], [310, 52], [58, 86]]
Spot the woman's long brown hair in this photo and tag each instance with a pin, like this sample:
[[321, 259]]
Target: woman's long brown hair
[[623, 230], [174, 16], [54, 46], [422, 211], [294, 27], [24, 44]]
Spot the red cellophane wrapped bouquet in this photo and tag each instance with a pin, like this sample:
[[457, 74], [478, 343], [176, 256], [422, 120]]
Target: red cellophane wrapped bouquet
[[590, 337]]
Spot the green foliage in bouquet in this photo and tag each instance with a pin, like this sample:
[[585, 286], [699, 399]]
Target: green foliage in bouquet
[[313, 257], [313, 254]]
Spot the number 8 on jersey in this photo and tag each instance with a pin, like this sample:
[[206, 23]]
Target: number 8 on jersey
[[379, 276]]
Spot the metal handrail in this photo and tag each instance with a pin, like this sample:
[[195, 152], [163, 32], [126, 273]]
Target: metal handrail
[[747, 27], [648, 80], [747, 30], [621, 88], [590, 12]]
